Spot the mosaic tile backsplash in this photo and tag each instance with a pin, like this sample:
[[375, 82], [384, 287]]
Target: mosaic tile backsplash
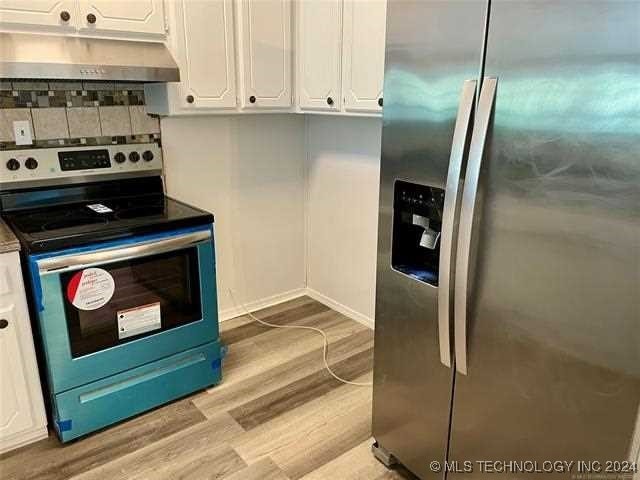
[[75, 113]]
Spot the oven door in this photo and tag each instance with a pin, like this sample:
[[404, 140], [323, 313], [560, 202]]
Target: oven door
[[111, 307]]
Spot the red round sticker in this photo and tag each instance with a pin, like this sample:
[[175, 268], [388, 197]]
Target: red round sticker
[[90, 289]]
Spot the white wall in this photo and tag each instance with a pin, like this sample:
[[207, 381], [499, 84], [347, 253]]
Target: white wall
[[249, 171], [343, 171]]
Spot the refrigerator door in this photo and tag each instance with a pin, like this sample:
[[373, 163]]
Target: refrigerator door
[[433, 49], [553, 324]]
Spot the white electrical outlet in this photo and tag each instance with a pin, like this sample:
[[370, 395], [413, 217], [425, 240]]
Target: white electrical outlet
[[22, 132]]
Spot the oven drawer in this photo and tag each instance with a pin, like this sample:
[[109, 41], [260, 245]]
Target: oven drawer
[[98, 404]]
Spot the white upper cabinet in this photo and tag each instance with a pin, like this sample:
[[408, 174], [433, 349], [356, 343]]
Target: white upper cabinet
[[205, 51], [56, 14], [319, 32], [264, 35], [139, 18], [237, 56], [134, 16], [363, 56]]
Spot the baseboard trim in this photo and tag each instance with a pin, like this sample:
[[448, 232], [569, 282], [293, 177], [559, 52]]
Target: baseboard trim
[[21, 439], [233, 312], [339, 307]]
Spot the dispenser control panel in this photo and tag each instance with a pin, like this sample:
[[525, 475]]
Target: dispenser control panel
[[417, 226], [421, 199]]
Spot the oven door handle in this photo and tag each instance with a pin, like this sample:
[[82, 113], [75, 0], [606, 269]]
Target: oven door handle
[[116, 254]]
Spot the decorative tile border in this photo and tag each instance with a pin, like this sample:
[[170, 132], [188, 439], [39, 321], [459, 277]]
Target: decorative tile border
[[32, 95], [90, 141], [69, 98]]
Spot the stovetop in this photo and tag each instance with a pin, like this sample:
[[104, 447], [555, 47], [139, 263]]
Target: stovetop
[[95, 217]]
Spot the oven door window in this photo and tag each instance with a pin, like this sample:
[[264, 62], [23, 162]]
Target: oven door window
[[150, 295]]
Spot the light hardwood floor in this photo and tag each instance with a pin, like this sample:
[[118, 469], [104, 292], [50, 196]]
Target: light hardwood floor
[[278, 415]]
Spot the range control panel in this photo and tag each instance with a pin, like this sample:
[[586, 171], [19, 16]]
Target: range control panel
[[44, 166], [84, 160]]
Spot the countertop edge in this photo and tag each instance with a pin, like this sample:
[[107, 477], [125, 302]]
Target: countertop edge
[[8, 241]]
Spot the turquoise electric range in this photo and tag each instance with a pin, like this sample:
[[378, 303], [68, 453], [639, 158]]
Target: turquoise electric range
[[122, 277]]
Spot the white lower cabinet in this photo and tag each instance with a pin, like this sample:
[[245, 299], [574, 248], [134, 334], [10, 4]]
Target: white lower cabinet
[[22, 415], [363, 55]]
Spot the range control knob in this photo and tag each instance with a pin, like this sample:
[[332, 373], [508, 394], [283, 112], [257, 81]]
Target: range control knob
[[147, 155], [120, 157], [134, 157], [31, 163], [13, 164]]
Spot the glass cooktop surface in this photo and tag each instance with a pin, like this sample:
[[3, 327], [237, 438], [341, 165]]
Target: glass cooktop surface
[[90, 221]]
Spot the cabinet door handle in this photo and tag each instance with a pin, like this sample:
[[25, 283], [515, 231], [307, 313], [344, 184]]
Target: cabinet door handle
[[91, 18], [380, 102], [65, 16], [252, 99], [330, 100], [190, 99], [3, 323]]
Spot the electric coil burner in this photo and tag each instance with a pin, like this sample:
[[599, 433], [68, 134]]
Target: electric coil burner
[[122, 280]]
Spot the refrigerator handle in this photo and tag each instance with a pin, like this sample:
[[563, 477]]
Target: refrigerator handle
[[461, 134], [474, 164]]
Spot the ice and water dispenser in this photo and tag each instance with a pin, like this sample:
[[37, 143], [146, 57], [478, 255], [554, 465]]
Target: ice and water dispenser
[[417, 225]]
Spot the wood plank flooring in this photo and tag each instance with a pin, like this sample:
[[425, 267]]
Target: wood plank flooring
[[278, 415]]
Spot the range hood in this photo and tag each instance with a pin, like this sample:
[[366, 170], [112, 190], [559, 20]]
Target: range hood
[[75, 58]]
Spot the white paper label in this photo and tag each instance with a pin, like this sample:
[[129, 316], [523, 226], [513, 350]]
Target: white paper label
[[135, 321], [90, 289], [99, 208]]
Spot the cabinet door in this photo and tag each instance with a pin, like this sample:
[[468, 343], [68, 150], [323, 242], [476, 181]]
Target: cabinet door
[[22, 417], [45, 13], [206, 54], [265, 53], [15, 408], [364, 43], [319, 54], [133, 16]]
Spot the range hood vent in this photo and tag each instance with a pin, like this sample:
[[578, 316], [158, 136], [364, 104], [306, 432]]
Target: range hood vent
[[52, 57]]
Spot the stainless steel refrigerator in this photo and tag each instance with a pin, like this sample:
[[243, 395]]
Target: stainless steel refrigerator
[[508, 277]]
